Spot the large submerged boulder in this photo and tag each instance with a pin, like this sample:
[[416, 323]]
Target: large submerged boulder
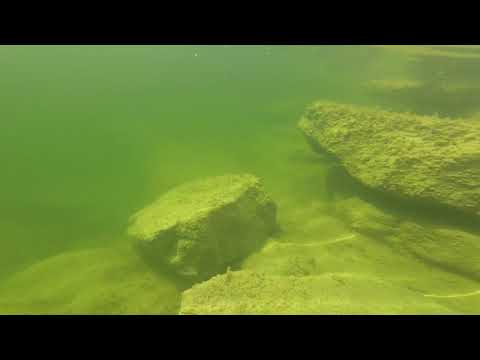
[[200, 228], [434, 160], [249, 292], [98, 281]]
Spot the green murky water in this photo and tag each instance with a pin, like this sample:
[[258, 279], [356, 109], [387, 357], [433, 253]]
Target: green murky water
[[91, 134]]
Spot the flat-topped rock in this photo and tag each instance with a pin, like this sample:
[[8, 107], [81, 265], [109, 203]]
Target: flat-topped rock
[[436, 161], [201, 227]]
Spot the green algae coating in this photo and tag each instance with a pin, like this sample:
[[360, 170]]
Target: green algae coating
[[247, 292], [89, 282], [421, 157], [365, 218], [201, 227], [371, 258], [448, 247]]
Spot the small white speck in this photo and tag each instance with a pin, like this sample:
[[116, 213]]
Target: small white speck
[[195, 54]]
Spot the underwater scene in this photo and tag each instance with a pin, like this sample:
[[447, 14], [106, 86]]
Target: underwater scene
[[256, 180]]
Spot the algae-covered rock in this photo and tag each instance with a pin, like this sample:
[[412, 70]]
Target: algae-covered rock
[[436, 161], [248, 292], [450, 248], [360, 254], [446, 246], [289, 259], [201, 227], [365, 217], [100, 281]]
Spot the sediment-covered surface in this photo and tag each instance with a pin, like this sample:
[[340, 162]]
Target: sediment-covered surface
[[339, 244], [199, 228], [449, 52], [435, 79], [446, 246], [101, 281], [429, 96], [247, 292], [321, 265], [424, 158]]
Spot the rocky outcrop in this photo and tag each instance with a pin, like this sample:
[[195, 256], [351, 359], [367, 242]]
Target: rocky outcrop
[[249, 292], [446, 246], [201, 227], [450, 248], [101, 281], [365, 218], [433, 160]]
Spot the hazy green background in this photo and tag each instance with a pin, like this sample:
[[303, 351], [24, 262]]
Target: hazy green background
[[89, 134]]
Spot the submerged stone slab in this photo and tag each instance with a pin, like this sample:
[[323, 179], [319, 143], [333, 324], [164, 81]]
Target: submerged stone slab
[[450, 248], [201, 227], [434, 160], [365, 218], [248, 292], [100, 281], [447, 246]]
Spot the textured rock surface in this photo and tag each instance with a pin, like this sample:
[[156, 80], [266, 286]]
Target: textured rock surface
[[426, 158], [201, 227], [365, 218], [312, 245], [371, 258], [247, 292], [449, 247], [287, 259], [89, 282]]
